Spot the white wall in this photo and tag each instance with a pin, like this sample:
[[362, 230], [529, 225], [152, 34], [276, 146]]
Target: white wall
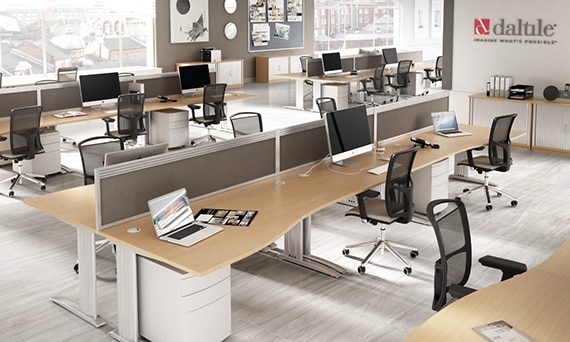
[[536, 64]]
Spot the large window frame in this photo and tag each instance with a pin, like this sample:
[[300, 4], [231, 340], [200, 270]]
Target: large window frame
[[39, 36]]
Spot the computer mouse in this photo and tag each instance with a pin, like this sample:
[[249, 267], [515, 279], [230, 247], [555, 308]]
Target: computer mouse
[[134, 230]]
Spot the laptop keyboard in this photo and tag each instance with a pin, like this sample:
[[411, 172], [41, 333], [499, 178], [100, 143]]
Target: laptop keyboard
[[182, 233]]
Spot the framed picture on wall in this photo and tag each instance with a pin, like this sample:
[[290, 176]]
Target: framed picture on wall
[[421, 19], [189, 21], [436, 18]]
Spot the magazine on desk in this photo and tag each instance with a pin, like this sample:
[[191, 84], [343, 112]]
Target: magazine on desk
[[501, 331], [227, 217]]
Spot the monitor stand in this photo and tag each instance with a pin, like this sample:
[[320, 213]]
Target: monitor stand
[[346, 163]]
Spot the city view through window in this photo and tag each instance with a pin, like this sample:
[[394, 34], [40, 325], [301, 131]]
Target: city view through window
[[39, 36]]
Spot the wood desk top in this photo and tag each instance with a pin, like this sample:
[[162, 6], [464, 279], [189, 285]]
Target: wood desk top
[[150, 104], [280, 206], [536, 302]]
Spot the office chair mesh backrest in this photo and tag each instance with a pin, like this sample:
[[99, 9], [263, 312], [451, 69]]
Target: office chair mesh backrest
[[92, 152], [439, 68], [213, 97], [25, 131], [402, 75], [245, 123], [326, 105], [130, 111], [399, 185], [378, 78], [454, 241], [303, 60], [67, 74], [500, 142]]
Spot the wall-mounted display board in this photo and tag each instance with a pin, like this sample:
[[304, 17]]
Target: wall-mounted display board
[[275, 25]]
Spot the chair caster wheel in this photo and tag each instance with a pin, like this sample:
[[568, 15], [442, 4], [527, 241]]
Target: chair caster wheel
[[499, 194], [361, 269], [514, 203], [43, 188], [192, 143], [345, 252], [465, 190], [11, 194], [489, 207], [458, 198], [407, 270], [414, 254], [76, 268]]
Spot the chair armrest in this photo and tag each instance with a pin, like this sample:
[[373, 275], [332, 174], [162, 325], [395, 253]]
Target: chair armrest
[[107, 122], [470, 153], [193, 108], [458, 291], [509, 268]]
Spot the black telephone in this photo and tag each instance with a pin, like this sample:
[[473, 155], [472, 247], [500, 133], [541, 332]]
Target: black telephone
[[423, 143]]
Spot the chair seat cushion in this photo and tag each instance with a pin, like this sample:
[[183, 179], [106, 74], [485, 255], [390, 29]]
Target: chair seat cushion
[[375, 210], [480, 163], [7, 154]]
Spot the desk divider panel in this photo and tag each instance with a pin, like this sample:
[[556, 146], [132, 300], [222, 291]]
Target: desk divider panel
[[303, 144], [365, 62], [60, 96], [122, 190], [11, 98]]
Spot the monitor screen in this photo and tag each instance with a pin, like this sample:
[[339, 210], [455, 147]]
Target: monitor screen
[[348, 134], [332, 63], [193, 78], [122, 156], [99, 89], [390, 55]]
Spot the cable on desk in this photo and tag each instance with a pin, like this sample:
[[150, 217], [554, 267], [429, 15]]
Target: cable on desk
[[306, 174], [347, 173]]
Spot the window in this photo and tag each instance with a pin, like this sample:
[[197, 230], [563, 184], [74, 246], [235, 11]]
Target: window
[[38, 37]]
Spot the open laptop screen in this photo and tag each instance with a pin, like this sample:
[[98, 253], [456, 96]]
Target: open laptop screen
[[443, 121]]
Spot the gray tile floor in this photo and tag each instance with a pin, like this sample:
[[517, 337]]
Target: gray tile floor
[[271, 299]]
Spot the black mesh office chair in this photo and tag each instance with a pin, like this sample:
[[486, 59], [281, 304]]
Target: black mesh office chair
[[92, 152], [245, 123], [435, 74], [452, 269], [0, 80], [213, 110], [326, 105], [397, 207], [25, 143], [497, 159], [130, 118], [303, 60], [375, 86], [402, 77]]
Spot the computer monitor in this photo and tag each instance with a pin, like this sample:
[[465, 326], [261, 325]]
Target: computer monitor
[[122, 156], [390, 55], [99, 89], [193, 78], [348, 134], [332, 63]]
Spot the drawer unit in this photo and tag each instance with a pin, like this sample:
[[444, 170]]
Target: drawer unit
[[170, 126], [177, 306], [46, 163], [430, 183], [337, 91]]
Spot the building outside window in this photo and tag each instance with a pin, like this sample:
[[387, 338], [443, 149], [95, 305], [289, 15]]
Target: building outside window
[[39, 36]]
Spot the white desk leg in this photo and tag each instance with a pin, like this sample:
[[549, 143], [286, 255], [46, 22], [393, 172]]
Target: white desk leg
[[127, 309], [87, 308], [298, 250], [299, 95]]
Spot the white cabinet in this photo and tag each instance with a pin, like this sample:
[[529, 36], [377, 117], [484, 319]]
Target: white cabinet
[[295, 64], [48, 162], [169, 126], [337, 91], [430, 183], [552, 127], [485, 108], [230, 72], [177, 306], [267, 68]]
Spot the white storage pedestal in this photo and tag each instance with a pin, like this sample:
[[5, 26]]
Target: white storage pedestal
[[170, 126], [337, 91], [46, 163], [430, 183], [177, 306]]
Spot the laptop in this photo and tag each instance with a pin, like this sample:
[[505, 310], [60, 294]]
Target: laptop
[[445, 123], [174, 222]]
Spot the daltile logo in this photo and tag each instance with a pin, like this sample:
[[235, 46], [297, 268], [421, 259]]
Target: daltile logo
[[518, 31]]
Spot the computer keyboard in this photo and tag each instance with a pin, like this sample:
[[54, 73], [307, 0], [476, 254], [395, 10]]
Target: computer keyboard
[[182, 233], [379, 169]]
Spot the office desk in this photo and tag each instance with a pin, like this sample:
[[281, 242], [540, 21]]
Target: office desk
[[300, 77], [536, 302], [285, 202], [150, 104]]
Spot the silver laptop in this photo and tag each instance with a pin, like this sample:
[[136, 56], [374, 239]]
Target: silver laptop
[[174, 222], [445, 123]]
